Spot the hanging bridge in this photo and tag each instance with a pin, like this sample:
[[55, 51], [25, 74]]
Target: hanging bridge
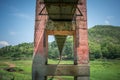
[[61, 18]]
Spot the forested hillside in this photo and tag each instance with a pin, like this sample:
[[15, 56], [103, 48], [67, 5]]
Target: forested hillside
[[20, 51], [104, 42]]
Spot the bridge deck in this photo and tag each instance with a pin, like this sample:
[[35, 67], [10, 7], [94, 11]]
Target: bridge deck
[[60, 10]]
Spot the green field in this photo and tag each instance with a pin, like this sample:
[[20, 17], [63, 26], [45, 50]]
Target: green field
[[99, 70]]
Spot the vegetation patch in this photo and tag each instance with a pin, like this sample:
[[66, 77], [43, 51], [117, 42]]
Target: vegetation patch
[[104, 47]]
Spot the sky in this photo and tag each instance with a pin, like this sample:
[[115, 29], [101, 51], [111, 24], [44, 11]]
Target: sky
[[17, 18]]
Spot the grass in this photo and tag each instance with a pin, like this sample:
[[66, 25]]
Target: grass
[[105, 70], [99, 70], [22, 75], [51, 61]]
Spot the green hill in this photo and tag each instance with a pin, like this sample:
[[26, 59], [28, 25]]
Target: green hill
[[104, 42], [105, 33], [20, 51]]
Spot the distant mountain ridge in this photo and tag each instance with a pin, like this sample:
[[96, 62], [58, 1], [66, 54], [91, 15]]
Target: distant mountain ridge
[[101, 33]]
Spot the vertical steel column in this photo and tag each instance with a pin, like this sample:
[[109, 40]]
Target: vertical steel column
[[81, 45], [40, 56]]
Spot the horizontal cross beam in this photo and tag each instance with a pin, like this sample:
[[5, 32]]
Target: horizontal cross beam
[[64, 70], [50, 32]]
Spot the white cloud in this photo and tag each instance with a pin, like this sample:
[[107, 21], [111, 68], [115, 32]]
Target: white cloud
[[4, 43], [12, 33], [13, 8], [110, 17], [109, 20], [22, 15]]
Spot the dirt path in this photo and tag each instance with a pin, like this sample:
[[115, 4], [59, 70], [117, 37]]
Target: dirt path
[[10, 64]]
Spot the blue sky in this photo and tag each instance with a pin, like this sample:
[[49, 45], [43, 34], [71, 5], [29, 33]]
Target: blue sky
[[17, 18]]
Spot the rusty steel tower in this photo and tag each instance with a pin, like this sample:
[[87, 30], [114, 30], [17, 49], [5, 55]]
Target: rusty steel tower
[[61, 18]]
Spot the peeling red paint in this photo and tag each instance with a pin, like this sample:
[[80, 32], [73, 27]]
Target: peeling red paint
[[82, 35]]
